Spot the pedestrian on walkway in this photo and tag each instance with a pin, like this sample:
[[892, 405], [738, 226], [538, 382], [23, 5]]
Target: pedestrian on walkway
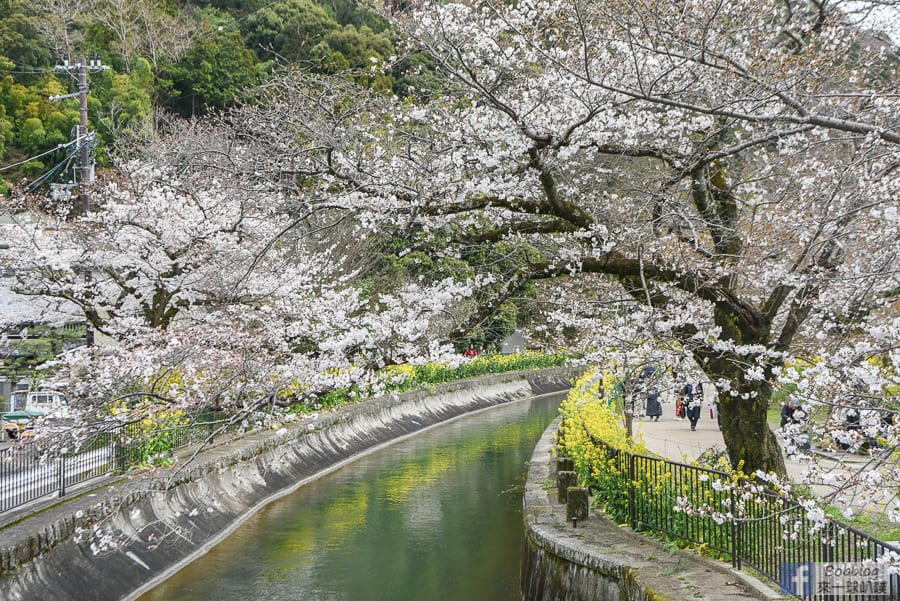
[[680, 407], [787, 413], [693, 394], [654, 407]]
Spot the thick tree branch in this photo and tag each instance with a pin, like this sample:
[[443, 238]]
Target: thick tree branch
[[833, 123]]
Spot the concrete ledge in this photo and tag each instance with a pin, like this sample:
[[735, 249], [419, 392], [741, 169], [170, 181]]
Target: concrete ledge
[[119, 541], [601, 561]]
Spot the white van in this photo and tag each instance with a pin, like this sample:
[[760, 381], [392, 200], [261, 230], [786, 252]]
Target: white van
[[45, 401], [40, 401], [37, 404]]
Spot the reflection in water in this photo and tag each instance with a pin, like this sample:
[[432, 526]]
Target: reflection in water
[[433, 518]]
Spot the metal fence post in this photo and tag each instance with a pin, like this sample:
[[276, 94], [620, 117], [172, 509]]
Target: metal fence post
[[123, 455], [62, 474], [764, 550], [632, 512], [735, 534]]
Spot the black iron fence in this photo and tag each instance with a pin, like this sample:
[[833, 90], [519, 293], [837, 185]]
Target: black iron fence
[[35, 469], [748, 524]]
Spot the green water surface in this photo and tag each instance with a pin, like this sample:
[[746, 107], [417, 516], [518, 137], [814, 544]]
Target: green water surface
[[436, 517]]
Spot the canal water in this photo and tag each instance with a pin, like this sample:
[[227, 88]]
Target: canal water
[[436, 517]]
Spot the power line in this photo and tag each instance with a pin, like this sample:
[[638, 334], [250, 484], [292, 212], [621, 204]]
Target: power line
[[82, 68], [244, 18], [250, 14], [58, 147], [52, 171], [35, 72]]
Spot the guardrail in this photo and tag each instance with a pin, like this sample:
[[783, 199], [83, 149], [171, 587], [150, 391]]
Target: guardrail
[[29, 471], [765, 532]]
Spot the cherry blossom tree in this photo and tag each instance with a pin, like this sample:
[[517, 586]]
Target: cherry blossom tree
[[731, 167], [213, 285], [701, 184]]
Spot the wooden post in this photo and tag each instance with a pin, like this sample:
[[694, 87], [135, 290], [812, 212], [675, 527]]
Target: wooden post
[[564, 480], [564, 464], [576, 503]]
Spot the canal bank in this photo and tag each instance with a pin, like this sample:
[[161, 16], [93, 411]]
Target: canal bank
[[114, 542], [434, 517], [598, 560]]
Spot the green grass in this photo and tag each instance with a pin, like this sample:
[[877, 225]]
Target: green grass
[[773, 416], [871, 522]]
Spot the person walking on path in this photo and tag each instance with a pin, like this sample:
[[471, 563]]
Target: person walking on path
[[654, 407], [693, 394], [787, 413], [680, 408]]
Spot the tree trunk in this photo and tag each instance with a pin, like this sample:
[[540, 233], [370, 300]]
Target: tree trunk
[[750, 442]]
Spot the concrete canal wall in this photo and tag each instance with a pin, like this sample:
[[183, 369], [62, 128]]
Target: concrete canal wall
[[117, 541]]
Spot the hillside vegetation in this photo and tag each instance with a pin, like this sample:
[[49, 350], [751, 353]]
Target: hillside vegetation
[[186, 58]]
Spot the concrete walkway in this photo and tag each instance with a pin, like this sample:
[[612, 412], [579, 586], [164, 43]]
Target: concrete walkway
[[673, 439]]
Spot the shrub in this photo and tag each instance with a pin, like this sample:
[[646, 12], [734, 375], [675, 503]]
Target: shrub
[[405, 377], [151, 440]]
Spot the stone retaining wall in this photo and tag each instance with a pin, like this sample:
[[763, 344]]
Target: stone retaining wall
[[156, 522]]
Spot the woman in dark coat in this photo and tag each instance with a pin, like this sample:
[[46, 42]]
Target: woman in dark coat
[[654, 407]]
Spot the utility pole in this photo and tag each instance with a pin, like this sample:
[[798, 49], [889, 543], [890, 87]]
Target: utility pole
[[87, 166], [84, 137]]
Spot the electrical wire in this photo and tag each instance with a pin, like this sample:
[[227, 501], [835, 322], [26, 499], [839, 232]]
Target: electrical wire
[[77, 140], [53, 170], [219, 29], [35, 72], [261, 8], [58, 147], [40, 71]]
